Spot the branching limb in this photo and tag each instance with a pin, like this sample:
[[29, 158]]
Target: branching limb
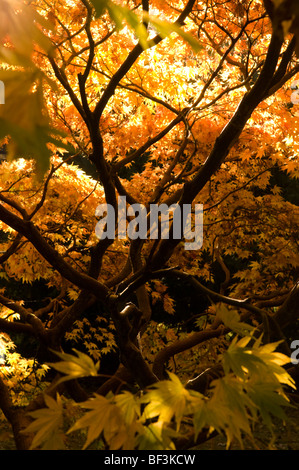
[[29, 319], [225, 141], [127, 326], [130, 60], [16, 417], [12, 248], [184, 344], [28, 230]]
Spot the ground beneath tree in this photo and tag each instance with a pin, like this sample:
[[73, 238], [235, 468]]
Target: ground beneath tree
[[286, 435]]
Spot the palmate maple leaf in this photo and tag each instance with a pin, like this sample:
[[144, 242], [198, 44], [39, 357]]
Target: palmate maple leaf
[[47, 425], [115, 420], [74, 367], [168, 399]]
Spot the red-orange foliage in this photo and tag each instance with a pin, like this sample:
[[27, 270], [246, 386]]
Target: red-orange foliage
[[168, 124]]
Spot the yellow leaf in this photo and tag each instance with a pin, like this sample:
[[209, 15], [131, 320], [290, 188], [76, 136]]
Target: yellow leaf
[[47, 423], [74, 367]]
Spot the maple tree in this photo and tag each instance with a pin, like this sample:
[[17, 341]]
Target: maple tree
[[183, 103]]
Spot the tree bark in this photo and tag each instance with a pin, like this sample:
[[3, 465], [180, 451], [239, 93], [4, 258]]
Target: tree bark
[[288, 312]]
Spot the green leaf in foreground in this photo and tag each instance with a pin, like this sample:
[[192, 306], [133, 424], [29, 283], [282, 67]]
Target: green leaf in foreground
[[121, 15], [47, 425], [231, 319], [106, 419], [166, 400], [75, 366]]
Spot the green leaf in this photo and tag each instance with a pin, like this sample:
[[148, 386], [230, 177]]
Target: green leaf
[[156, 437], [231, 319], [119, 15], [231, 409], [47, 423], [166, 28], [268, 401], [23, 116], [261, 370], [75, 366], [129, 405], [201, 418], [105, 417], [240, 360], [24, 119], [167, 399], [260, 360], [274, 361], [100, 6], [95, 420]]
